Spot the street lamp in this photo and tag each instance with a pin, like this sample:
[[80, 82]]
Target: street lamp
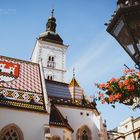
[[125, 27]]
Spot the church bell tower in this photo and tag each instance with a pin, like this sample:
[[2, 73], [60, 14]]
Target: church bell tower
[[49, 49]]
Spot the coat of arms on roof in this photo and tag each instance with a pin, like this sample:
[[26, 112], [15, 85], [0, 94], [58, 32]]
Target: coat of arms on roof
[[8, 71]]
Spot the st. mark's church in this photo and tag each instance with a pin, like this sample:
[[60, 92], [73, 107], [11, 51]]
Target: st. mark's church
[[35, 101]]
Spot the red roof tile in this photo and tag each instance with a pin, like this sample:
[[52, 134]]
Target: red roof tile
[[20, 81]]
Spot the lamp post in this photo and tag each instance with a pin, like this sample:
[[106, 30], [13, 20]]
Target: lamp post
[[125, 27]]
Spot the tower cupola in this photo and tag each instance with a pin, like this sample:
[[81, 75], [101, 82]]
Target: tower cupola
[[50, 35], [51, 24]]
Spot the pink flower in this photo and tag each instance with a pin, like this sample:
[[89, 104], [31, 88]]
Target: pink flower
[[126, 82], [113, 80], [101, 86], [101, 95], [130, 87], [139, 74], [118, 96], [121, 84], [111, 98], [129, 71], [103, 101], [107, 85]]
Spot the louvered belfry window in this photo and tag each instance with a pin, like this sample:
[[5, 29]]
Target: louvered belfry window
[[50, 62]]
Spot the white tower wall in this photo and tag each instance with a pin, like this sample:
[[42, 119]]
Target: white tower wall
[[56, 68]]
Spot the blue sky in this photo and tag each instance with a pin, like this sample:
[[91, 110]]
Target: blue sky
[[96, 56]]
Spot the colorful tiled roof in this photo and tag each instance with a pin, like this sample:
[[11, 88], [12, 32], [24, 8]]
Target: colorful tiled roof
[[63, 90], [57, 119], [59, 94], [74, 83], [20, 84], [57, 89], [75, 89], [77, 103]]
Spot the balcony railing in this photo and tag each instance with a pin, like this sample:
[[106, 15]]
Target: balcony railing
[[51, 64]]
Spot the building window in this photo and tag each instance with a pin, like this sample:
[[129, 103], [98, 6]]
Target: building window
[[11, 132], [52, 58], [49, 58], [84, 135], [50, 62], [50, 77]]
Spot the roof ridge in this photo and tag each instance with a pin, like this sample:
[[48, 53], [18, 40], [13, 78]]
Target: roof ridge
[[21, 60], [52, 81]]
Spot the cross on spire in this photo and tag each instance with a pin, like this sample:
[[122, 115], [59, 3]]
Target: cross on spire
[[52, 12], [73, 72]]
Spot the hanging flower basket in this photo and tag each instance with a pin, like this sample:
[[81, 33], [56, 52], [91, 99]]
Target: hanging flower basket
[[125, 90]]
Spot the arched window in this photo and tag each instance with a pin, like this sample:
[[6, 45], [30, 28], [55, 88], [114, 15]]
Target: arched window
[[50, 77], [84, 133], [49, 58], [50, 62], [11, 132], [52, 58]]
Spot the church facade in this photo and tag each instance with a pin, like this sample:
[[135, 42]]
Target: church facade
[[35, 101]]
